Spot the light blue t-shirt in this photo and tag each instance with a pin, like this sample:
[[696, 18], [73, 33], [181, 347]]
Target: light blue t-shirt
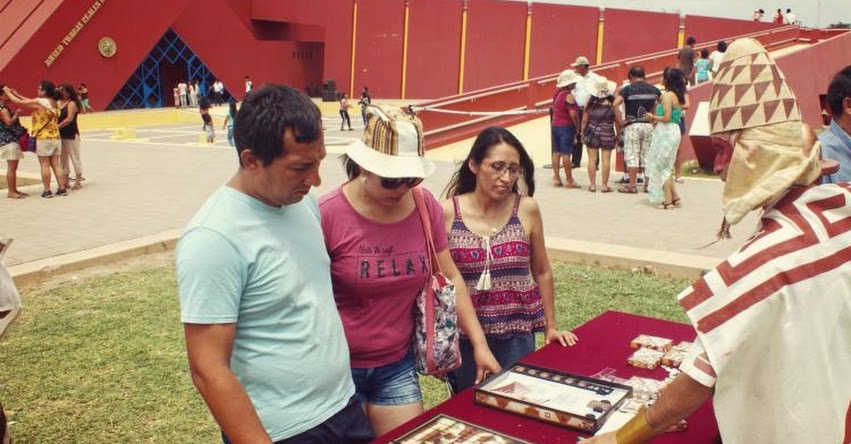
[[266, 269], [836, 145]]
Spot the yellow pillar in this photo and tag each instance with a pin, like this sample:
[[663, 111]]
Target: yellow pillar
[[405, 47], [599, 56], [681, 34], [354, 43], [528, 45], [463, 48]]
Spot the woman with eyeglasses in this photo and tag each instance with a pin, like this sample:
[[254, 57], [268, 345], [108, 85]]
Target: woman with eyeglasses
[[379, 264], [496, 238]]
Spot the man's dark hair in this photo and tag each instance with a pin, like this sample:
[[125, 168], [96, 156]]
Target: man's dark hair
[[265, 115], [637, 72], [722, 46], [838, 91], [788, 10], [691, 41]]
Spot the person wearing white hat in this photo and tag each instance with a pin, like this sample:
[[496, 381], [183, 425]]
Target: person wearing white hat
[[599, 132], [379, 264], [773, 321], [582, 93], [564, 127]]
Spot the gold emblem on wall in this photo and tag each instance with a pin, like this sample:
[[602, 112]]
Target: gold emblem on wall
[[107, 47]]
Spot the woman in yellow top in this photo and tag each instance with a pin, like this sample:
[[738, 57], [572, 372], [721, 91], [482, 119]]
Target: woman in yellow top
[[45, 129]]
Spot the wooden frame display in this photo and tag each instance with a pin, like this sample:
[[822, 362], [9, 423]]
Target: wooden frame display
[[577, 402], [446, 429]]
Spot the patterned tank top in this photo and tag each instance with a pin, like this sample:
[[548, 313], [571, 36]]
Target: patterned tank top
[[506, 297]]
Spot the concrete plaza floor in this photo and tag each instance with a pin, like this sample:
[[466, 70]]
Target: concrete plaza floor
[[152, 185]]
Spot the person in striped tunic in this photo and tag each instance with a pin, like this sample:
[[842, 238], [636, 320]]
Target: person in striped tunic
[[773, 321]]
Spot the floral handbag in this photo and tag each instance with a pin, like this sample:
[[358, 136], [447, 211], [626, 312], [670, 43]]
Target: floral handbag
[[435, 317]]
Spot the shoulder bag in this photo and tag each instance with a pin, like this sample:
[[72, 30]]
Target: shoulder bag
[[435, 317]]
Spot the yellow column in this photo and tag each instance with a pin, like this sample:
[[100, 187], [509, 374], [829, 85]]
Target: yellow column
[[405, 46], [463, 48], [599, 56], [354, 43], [526, 51], [681, 34]]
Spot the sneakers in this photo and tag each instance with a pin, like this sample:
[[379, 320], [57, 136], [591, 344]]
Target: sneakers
[[47, 194], [623, 180], [62, 192], [640, 180]]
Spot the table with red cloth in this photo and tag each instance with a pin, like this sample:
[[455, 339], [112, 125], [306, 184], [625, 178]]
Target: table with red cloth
[[603, 342]]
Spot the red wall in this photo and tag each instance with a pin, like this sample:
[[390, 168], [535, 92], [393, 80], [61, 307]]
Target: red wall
[[496, 33], [434, 47], [378, 51], [260, 37], [80, 61], [561, 33], [633, 33], [334, 17], [710, 29]]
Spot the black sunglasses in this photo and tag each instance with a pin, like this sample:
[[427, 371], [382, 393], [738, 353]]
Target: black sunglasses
[[393, 183]]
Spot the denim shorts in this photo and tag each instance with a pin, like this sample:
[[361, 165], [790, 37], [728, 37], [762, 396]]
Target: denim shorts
[[563, 139], [392, 384]]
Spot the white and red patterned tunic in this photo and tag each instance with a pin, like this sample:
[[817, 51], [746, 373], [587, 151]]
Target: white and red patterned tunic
[[774, 325]]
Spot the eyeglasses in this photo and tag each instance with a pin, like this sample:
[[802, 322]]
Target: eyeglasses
[[499, 168], [396, 182]]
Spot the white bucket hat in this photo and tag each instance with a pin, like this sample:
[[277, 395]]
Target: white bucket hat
[[602, 88], [392, 145], [567, 77]]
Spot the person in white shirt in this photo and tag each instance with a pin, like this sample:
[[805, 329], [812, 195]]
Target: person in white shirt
[[790, 17], [716, 57]]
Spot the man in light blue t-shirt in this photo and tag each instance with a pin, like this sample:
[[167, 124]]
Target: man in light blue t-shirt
[[266, 345], [836, 138]]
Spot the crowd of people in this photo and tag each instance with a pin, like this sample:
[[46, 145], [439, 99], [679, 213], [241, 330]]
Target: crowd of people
[[54, 129], [788, 18], [588, 110], [339, 297]]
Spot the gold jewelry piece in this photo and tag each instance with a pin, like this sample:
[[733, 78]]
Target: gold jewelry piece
[[636, 431]]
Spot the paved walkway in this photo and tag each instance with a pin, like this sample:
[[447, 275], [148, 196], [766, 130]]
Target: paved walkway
[[156, 183]]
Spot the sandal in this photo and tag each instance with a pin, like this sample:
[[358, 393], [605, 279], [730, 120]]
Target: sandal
[[557, 183], [605, 190], [665, 205], [16, 195], [572, 185], [628, 190], [592, 188], [77, 186], [677, 202]]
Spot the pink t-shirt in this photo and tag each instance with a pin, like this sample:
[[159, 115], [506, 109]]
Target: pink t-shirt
[[377, 271]]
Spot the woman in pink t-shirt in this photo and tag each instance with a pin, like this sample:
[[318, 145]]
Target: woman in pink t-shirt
[[379, 264]]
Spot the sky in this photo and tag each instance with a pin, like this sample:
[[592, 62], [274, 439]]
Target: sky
[[812, 13]]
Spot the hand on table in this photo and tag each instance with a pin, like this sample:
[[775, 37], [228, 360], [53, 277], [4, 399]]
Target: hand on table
[[486, 363], [564, 338]]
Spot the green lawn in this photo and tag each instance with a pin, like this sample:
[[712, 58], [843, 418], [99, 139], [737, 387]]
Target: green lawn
[[101, 360]]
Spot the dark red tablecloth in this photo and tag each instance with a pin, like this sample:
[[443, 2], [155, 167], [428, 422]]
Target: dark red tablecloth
[[603, 342]]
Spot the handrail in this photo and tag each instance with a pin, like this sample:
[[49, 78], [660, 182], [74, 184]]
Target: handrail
[[530, 94]]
